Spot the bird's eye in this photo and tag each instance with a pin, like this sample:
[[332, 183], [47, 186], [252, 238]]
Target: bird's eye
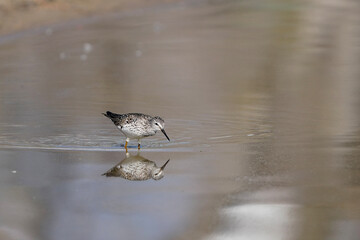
[[157, 124]]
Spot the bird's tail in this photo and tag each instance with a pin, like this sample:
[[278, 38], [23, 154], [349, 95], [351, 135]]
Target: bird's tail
[[107, 174], [110, 115], [113, 172]]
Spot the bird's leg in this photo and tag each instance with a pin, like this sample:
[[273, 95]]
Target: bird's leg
[[126, 143], [139, 141]]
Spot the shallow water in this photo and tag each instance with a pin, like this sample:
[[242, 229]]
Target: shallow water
[[260, 100]]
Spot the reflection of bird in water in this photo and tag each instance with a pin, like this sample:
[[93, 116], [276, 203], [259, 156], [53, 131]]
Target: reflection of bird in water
[[137, 125], [136, 168]]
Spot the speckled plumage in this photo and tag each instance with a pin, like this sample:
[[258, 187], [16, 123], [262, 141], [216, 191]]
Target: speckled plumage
[[136, 168], [137, 125]]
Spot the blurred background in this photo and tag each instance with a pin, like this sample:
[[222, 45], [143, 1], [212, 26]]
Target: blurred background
[[260, 99]]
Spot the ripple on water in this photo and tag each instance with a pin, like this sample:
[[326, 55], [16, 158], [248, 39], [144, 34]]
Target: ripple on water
[[196, 132]]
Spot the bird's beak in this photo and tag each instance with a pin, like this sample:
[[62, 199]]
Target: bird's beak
[[162, 168], [163, 131]]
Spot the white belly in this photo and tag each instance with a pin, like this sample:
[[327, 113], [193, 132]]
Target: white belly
[[135, 133]]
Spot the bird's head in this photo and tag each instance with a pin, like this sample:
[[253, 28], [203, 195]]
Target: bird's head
[[158, 124], [158, 173]]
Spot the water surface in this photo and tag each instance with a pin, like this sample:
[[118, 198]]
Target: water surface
[[260, 100]]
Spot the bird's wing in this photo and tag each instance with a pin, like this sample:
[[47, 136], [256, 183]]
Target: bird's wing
[[136, 117]]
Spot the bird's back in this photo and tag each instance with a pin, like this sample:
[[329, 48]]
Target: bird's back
[[121, 119]]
